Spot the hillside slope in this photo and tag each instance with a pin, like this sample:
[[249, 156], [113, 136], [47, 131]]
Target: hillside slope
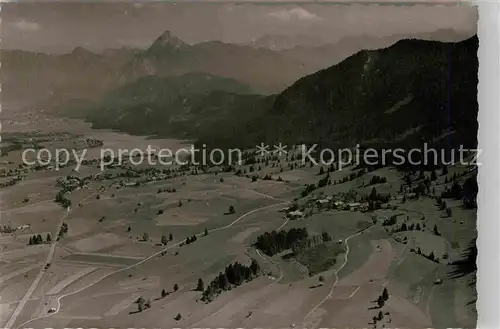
[[178, 105], [411, 92], [383, 95]]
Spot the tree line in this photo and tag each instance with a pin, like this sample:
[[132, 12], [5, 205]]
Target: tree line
[[63, 230], [234, 275], [274, 242], [310, 242], [37, 239]]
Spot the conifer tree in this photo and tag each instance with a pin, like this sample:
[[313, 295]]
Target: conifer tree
[[200, 286], [385, 294]]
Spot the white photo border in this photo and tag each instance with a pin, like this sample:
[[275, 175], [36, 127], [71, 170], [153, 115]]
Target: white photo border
[[488, 215], [488, 211]]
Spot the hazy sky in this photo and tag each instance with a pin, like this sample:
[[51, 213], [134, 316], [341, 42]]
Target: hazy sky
[[60, 27]]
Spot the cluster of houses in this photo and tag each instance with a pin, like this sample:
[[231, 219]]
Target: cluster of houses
[[9, 229], [330, 203], [11, 181], [70, 183], [22, 169], [345, 203]]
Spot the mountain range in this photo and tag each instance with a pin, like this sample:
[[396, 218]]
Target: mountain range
[[268, 65], [49, 80], [283, 42], [410, 92]]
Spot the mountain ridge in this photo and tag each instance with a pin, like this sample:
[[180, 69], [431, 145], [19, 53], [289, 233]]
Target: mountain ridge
[[391, 96]]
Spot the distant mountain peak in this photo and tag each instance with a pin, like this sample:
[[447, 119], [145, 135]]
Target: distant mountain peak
[[167, 40], [80, 51]]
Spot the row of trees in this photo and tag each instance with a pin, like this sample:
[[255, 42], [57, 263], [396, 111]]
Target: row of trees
[[274, 242], [191, 239], [143, 304], [331, 168], [377, 180], [37, 239], [384, 297], [164, 240], [429, 256], [168, 189], [63, 230], [381, 300], [410, 227], [234, 275]]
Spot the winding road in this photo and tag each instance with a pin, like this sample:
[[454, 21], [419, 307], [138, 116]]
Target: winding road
[[346, 255], [36, 282], [268, 286]]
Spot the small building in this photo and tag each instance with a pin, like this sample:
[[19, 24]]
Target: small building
[[23, 227], [438, 281], [296, 214], [364, 207], [340, 205], [354, 206], [323, 203]]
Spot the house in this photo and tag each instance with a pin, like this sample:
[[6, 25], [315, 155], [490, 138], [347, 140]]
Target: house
[[342, 206], [23, 227], [323, 203], [364, 207], [354, 206], [339, 204], [297, 214]]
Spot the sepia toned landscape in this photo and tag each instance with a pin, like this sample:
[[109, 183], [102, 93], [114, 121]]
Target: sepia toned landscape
[[275, 240]]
